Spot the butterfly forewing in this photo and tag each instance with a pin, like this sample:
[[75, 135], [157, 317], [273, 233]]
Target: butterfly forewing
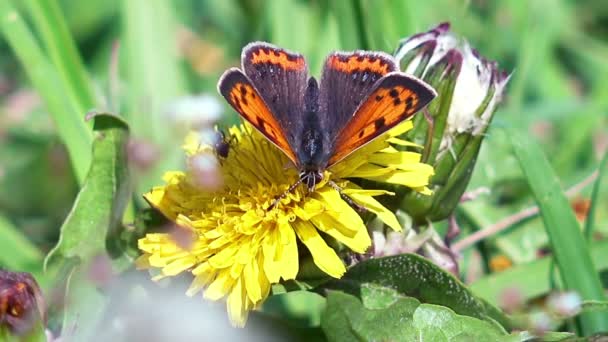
[[347, 80], [240, 93], [393, 99], [280, 76], [361, 95]]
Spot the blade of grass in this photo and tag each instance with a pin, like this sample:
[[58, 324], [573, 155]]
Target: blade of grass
[[70, 125], [531, 279], [155, 78], [568, 244], [386, 22], [280, 25], [352, 34], [19, 253], [52, 27], [590, 220], [154, 72]]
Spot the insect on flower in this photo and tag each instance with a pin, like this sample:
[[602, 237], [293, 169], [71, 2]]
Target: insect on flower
[[221, 144], [360, 96]]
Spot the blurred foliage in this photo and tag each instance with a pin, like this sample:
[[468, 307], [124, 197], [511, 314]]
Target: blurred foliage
[[140, 56]]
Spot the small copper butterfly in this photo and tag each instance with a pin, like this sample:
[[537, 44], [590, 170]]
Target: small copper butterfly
[[361, 95]]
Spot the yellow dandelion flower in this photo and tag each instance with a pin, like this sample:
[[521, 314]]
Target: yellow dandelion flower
[[241, 248]]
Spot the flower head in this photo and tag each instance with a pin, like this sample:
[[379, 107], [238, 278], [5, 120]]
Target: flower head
[[22, 306], [240, 247], [469, 88]]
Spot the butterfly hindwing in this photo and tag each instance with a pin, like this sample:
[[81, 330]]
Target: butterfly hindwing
[[347, 79], [280, 76], [393, 99], [361, 95], [240, 93]]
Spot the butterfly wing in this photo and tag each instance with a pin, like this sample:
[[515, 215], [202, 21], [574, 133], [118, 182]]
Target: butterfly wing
[[241, 94], [393, 99], [280, 76], [347, 79]]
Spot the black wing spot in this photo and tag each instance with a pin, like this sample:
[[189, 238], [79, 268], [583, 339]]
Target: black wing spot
[[263, 126], [244, 101], [360, 58], [361, 132], [396, 101], [409, 102], [236, 101], [379, 98], [379, 123], [276, 53], [393, 93], [243, 90]]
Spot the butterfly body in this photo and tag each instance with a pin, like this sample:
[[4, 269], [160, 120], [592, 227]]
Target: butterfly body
[[312, 152], [317, 124]]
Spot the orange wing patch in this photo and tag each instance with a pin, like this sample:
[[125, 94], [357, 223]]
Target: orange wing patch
[[395, 99], [359, 62], [244, 98], [265, 54]]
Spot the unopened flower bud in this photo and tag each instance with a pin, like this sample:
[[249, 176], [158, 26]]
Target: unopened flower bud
[[21, 303], [469, 89]]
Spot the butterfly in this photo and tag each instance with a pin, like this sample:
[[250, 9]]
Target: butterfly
[[360, 95]]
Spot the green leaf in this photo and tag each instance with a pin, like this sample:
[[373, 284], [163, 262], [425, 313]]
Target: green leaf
[[568, 244], [414, 276], [594, 305], [101, 201], [303, 308], [547, 336], [96, 213], [378, 297], [406, 319]]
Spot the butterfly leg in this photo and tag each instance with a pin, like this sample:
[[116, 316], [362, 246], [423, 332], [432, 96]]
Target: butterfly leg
[[283, 195], [350, 201]]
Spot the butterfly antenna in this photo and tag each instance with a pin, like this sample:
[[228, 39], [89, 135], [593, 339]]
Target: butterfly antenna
[[283, 195], [345, 197]]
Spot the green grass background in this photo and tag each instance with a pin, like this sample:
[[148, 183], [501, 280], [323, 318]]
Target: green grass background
[[56, 65]]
